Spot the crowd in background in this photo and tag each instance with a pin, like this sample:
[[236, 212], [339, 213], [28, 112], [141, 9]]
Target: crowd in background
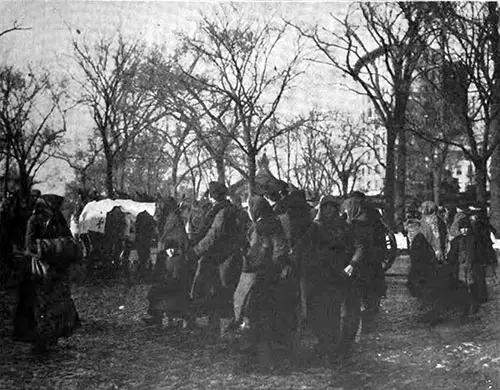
[[451, 251]]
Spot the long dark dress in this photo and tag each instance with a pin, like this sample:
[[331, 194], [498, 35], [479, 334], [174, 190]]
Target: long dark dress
[[45, 310], [327, 287], [267, 304], [169, 293]]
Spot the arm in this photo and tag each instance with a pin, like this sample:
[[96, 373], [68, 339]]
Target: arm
[[360, 246], [32, 233], [212, 236], [280, 250]]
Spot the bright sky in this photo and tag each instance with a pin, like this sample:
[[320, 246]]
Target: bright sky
[[54, 23]]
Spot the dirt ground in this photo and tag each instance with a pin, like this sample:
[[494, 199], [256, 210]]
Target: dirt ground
[[114, 350]]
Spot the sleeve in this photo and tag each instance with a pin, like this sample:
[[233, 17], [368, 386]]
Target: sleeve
[[280, 250], [214, 233], [452, 257], [360, 243], [32, 233]]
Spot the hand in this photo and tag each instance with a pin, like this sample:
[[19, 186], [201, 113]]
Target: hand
[[348, 270], [170, 252]]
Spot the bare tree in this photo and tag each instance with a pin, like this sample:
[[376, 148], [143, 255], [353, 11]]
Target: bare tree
[[238, 80], [116, 89], [472, 68], [32, 121], [378, 47], [332, 148]]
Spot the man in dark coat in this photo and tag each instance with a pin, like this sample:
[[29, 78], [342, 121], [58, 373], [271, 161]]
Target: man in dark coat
[[216, 246], [295, 216]]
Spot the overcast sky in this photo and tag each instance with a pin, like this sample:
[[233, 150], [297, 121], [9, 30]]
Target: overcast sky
[[54, 23]]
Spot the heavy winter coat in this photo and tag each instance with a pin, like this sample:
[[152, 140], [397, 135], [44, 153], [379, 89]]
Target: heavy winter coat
[[45, 310]]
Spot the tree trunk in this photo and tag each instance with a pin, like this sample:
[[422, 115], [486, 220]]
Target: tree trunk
[[24, 182], [173, 177], [390, 171], [495, 120], [436, 185], [495, 188], [221, 169], [109, 177], [252, 170], [481, 178], [344, 179], [401, 179], [7, 168]]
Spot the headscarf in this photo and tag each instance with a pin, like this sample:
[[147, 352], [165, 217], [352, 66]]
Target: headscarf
[[324, 200], [48, 203], [259, 208], [353, 210], [217, 190]]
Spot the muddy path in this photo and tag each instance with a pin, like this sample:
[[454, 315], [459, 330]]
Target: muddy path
[[114, 350]]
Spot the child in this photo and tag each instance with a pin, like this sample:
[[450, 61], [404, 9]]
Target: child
[[463, 259]]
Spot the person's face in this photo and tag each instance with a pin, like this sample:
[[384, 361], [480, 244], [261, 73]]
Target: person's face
[[464, 230]]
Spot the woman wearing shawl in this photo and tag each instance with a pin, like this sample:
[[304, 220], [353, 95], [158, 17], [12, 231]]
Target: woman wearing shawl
[[364, 266], [169, 293], [326, 283], [45, 310], [463, 258], [434, 230], [267, 257]]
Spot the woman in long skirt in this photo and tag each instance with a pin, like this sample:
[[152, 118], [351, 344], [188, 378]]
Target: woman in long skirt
[[45, 310]]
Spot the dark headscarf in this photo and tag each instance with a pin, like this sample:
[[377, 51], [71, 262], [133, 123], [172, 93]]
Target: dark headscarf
[[353, 209], [259, 207], [49, 203], [217, 190], [324, 200], [264, 218]]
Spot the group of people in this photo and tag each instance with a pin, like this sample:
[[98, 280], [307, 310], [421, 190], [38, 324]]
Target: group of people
[[450, 258], [271, 267]]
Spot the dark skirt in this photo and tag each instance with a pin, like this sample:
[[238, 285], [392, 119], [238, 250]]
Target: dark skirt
[[271, 307], [169, 293], [45, 310]]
